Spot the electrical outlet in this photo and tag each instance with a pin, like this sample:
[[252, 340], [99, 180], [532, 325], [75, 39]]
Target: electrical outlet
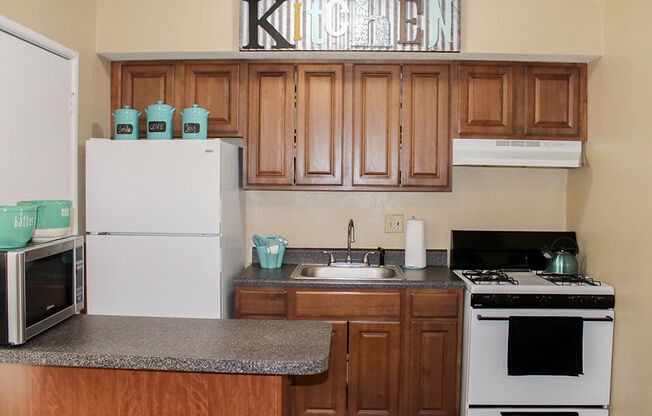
[[393, 223]]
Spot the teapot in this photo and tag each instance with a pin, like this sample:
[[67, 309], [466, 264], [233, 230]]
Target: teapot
[[562, 260]]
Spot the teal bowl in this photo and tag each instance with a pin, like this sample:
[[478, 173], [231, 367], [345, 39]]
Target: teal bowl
[[17, 225], [52, 218]]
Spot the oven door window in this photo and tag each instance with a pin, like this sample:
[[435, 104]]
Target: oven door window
[[48, 286]]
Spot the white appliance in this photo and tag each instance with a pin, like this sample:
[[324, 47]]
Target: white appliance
[[527, 153], [165, 223], [499, 291]]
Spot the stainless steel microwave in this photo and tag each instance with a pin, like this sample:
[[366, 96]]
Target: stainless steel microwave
[[41, 284]]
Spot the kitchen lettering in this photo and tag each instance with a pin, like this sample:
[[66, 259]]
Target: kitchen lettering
[[23, 221], [353, 18]]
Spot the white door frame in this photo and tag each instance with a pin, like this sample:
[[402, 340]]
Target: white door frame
[[21, 32]]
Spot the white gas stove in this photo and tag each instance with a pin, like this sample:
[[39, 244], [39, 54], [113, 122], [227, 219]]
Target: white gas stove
[[534, 343]]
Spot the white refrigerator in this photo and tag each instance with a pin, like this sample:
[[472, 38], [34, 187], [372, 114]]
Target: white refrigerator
[[165, 227]]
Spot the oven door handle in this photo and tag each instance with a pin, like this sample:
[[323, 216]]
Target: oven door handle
[[539, 413], [505, 318]]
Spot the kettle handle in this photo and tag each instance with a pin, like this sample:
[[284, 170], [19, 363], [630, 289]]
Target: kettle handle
[[552, 246]]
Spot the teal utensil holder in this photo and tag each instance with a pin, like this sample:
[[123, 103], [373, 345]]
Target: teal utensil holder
[[269, 260]]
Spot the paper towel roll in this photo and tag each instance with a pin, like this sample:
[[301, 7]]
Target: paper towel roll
[[415, 244]]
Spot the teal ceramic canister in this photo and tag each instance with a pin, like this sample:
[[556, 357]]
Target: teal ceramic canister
[[159, 121], [195, 122], [125, 124], [17, 225]]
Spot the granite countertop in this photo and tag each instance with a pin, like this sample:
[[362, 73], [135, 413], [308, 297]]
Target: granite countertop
[[432, 277], [179, 344]]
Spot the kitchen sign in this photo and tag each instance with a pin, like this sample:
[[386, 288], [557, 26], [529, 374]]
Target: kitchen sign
[[350, 25]]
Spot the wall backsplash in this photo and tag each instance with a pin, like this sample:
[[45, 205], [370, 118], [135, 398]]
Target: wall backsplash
[[482, 198]]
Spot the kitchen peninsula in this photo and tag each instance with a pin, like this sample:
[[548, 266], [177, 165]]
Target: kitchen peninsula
[[113, 365]]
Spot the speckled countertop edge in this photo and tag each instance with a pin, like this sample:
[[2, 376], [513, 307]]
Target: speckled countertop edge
[[263, 367]]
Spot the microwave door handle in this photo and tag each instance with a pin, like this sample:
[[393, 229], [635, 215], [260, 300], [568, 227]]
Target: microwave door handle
[[505, 318]]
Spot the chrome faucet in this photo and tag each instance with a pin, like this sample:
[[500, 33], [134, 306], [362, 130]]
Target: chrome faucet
[[350, 238]]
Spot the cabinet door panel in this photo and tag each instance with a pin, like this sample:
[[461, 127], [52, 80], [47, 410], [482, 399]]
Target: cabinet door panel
[[319, 124], [376, 124], [426, 100], [486, 100], [216, 87], [374, 365], [324, 394], [433, 368], [554, 101], [270, 142], [143, 85]]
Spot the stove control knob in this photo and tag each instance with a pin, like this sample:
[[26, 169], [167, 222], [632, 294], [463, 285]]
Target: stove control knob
[[543, 300], [512, 300]]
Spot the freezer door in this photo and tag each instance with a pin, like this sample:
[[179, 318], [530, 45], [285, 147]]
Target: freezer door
[[152, 186], [153, 276]]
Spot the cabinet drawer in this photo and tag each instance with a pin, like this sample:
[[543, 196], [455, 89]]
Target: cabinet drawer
[[434, 304], [256, 303], [316, 303]]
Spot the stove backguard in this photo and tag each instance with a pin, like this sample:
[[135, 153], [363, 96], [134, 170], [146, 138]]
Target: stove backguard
[[509, 250]]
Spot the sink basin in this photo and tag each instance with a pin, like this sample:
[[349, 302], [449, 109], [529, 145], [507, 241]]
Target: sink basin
[[345, 272]]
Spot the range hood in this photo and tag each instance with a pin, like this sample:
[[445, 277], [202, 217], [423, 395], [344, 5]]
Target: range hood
[[527, 153]]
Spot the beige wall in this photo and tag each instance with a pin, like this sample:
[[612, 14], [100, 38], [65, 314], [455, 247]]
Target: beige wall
[[483, 198], [555, 27], [72, 23], [610, 200]]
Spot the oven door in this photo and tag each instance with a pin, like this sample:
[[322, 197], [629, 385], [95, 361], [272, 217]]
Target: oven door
[[488, 379], [538, 412], [42, 292]]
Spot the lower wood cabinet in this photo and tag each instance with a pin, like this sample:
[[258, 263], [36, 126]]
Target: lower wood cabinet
[[374, 368], [324, 394], [432, 365], [393, 352]]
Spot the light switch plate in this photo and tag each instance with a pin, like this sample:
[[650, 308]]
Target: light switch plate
[[393, 223]]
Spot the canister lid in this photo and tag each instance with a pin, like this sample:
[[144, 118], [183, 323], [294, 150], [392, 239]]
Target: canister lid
[[159, 106], [127, 111], [194, 110]]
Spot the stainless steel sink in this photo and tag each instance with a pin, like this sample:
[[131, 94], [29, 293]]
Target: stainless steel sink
[[346, 272]]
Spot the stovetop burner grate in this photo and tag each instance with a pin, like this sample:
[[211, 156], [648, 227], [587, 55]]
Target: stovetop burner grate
[[489, 277], [568, 279]]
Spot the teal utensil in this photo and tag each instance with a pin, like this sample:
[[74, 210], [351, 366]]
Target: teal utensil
[[258, 241]]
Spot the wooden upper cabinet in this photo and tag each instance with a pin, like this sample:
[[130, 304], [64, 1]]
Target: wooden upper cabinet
[[142, 85], [270, 141], [319, 124], [425, 120], [374, 368], [486, 101], [219, 88], [325, 393], [555, 101], [376, 102]]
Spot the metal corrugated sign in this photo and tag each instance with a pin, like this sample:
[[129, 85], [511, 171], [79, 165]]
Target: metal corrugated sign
[[350, 25]]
